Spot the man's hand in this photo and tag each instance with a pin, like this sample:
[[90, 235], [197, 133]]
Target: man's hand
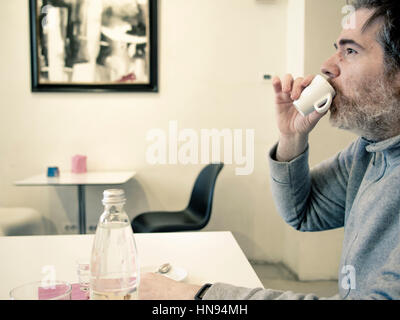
[[158, 287], [293, 127]]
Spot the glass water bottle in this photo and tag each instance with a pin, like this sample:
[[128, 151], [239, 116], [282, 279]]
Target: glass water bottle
[[114, 268]]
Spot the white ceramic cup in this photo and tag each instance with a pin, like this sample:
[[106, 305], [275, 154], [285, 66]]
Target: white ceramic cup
[[318, 96]]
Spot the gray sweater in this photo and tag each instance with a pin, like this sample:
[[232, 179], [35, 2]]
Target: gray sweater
[[358, 189]]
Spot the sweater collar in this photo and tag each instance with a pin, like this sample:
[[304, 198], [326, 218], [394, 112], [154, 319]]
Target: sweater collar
[[381, 146]]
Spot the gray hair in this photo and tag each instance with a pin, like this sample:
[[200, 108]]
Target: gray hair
[[389, 35]]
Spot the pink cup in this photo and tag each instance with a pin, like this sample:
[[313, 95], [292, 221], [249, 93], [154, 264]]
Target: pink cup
[[79, 164]]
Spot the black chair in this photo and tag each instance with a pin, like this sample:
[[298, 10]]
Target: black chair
[[194, 217]]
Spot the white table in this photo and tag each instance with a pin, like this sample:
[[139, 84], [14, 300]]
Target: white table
[[206, 256], [80, 180]]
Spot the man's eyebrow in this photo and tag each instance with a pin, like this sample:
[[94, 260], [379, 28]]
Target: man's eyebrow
[[343, 42]]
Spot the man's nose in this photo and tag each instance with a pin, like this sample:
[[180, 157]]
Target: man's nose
[[330, 68]]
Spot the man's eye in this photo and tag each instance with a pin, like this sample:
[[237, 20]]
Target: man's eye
[[350, 51]]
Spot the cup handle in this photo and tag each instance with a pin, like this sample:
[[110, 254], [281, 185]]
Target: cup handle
[[326, 105]]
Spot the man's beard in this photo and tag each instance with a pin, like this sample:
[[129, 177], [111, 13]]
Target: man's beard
[[373, 112]]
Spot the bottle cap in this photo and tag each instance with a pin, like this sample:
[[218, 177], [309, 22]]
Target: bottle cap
[[113, 196]]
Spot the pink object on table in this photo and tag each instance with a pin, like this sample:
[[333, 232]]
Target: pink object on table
[[79, 164], [78, 294], [50, 293]]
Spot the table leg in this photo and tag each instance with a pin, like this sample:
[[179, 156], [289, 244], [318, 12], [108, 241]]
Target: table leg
[[82, 209]]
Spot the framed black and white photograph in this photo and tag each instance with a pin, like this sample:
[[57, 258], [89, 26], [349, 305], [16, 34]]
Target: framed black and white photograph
[[94, 45]]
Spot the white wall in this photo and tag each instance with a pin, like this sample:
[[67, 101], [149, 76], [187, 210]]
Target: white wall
[[212, 57]]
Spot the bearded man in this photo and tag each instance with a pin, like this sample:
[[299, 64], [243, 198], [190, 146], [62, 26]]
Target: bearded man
[[359, 188]]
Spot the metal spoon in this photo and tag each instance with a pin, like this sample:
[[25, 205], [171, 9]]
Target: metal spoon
[[165, 268]]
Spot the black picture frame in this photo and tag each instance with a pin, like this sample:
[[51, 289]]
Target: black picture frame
[[129, 83]]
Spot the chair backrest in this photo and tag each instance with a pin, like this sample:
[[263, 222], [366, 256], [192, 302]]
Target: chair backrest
[[200, 203]]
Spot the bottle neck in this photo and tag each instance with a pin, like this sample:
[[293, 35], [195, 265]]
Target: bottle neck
[[114, 207], [114, 213]]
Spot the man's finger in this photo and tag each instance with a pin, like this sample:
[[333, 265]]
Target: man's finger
[[287, 83], [315, 117], [307, 81], [297, 89], [277, 84], [299, 85]]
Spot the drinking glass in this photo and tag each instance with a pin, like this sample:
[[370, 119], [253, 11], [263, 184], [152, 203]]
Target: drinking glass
[[39, 290], [83, 271]]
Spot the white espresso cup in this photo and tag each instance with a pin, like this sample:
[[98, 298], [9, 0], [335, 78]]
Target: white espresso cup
[[318, 96]]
